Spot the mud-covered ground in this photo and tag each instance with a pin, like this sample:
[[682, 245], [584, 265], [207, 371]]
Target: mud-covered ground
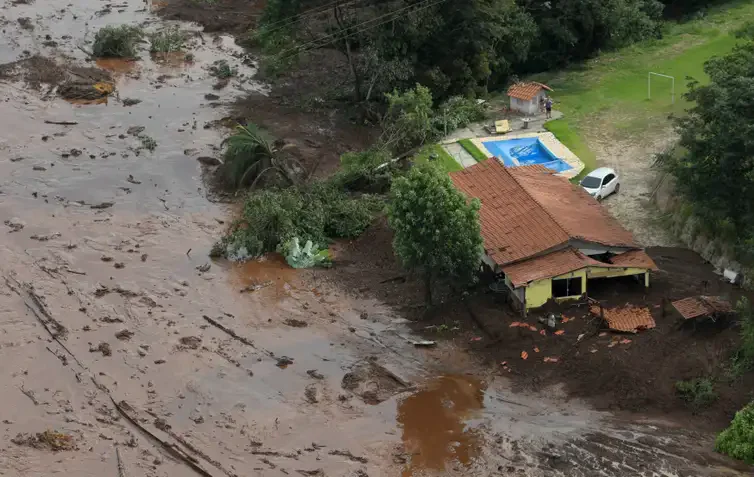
[[125, 351]]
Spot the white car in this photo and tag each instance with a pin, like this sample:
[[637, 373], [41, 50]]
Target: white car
[[601, 182]]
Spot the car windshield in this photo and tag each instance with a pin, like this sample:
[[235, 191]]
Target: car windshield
[[591, 182]]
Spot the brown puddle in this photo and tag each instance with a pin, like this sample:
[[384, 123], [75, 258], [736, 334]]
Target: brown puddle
[[118, 66], [271, 272], [434, 423]]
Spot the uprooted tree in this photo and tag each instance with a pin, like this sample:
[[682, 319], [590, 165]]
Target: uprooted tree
[[436, 228]]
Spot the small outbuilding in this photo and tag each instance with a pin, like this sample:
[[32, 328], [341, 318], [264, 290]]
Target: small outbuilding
[[526, 97]]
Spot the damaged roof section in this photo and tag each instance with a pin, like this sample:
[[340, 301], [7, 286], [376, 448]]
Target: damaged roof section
[[698, 306], [568, 260], [629, 319]]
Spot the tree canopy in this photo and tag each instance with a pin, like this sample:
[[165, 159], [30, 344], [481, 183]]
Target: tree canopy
[[715, 169], [436, 228]]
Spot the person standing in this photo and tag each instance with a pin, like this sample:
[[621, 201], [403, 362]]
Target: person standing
[[548, 108]]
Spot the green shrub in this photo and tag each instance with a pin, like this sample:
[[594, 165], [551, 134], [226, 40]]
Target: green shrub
[[698, 393], [221, 69], [117, 41], [249, 152], [737, 440], [274, 217], [167, 41], [472, 149]]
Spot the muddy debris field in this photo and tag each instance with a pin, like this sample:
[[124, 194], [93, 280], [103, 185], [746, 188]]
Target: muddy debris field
[[126, 351]]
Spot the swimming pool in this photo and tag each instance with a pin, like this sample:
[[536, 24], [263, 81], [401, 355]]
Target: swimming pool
[[525, 152]]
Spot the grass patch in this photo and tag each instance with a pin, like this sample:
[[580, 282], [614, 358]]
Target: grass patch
[[471, 148], [167, 41], [436, 154], [117, 41], [610, 91]]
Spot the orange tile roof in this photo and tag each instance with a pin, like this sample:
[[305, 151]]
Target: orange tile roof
[[577, 213], [526, 91], [696, 306], [629, 319], [634, 258], [514, 225], [549, 265], [527, 211]]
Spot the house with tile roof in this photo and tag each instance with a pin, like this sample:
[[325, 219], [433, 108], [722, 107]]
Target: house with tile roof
[[547, 236], [525, 97]]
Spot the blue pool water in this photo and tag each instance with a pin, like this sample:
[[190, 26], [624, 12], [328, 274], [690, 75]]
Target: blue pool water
[[525, 152]]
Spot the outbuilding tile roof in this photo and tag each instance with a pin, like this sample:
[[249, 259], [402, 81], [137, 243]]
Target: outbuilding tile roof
[[696, 306], [527, 211], [526, 91]]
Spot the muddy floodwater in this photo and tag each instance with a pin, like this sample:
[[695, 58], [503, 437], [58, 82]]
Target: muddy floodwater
[[126, 351]]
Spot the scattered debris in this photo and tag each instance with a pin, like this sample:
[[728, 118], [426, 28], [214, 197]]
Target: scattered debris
[[314, 374], [124, 335], [283, 362], [422, 342], [103, 348], [550, 359], [130, 101], [191, 342], [349, 456], [39, 168], [49, 440], [15, 224], [135, 131], [45, 238], [256, 287], [102, 205], [311, 393], [295, 323], [204, 268]]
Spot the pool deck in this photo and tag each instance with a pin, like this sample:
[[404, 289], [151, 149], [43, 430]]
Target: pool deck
[[476, 132], [550, 142]]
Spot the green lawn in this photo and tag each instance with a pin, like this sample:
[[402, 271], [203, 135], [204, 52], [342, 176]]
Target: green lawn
[[610, 92], [471, 148], [444, 160]]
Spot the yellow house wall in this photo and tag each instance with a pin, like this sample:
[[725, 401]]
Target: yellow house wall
[[540, 291]]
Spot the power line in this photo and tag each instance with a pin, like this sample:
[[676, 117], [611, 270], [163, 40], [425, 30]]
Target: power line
[[299, 16], [332, 37]]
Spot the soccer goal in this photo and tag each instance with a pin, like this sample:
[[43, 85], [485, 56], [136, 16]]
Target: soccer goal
[[672, 85]]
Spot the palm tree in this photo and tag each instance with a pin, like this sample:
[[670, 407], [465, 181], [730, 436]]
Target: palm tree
[[250, 154]]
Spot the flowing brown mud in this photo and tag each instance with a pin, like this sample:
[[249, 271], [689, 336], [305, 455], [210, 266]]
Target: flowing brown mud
[[126, 351]]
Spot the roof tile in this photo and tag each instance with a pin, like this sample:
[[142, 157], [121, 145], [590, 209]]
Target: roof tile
[[526, 91]]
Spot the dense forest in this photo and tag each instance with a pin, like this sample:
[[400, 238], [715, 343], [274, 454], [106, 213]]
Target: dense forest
[[459, 47]]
